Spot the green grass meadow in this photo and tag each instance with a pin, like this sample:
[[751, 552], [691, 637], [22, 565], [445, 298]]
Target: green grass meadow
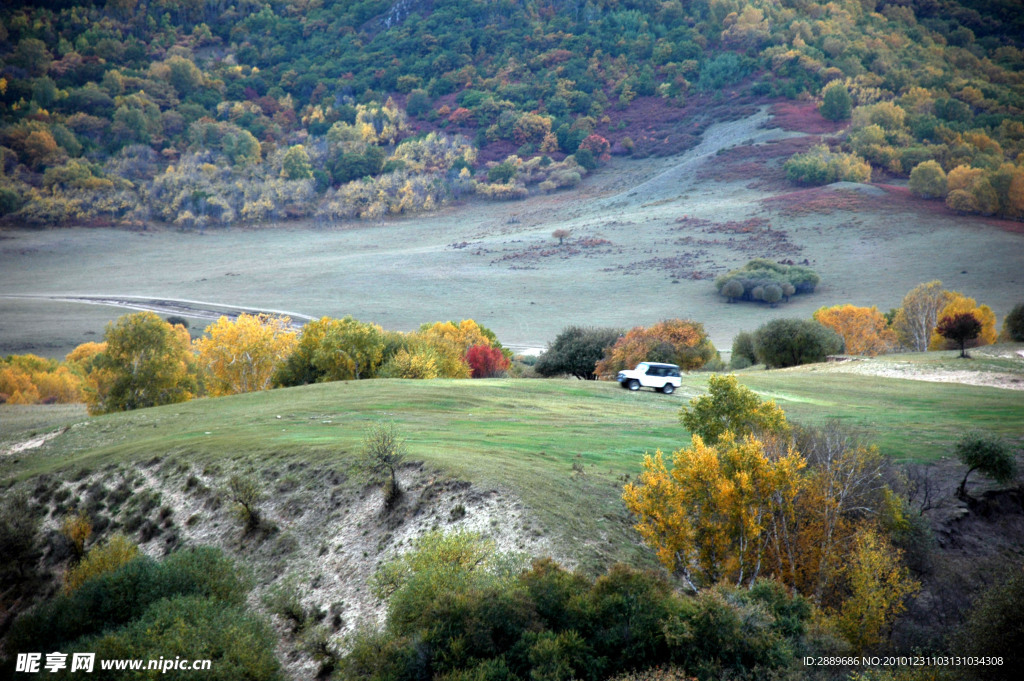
[[565, 448]]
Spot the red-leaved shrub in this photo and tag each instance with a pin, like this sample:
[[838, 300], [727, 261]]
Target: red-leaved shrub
[[485, 361]]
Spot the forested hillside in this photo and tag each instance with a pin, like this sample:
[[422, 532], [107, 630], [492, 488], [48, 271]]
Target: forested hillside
[[207, 112]]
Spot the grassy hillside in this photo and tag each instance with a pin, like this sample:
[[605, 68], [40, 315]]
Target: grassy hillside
[[562, 447]]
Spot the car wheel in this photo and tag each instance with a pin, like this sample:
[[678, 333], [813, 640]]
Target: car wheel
[[668, 388], [633, 384]]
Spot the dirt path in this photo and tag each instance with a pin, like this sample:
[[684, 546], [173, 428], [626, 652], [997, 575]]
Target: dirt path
[[195, 309], [755, 129], [32, 443]]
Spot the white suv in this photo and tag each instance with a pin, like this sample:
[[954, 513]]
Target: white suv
[[662, 377]]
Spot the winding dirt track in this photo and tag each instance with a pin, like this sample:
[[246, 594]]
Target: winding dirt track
[[196, 309]]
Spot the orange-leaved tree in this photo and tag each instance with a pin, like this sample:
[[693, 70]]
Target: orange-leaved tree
[[28, 379], [241, 355], [676, 341], [957, 304], [864, 329]]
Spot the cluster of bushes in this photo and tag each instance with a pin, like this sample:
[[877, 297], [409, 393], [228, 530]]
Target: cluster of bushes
[[458, 609], [136, 610], [993, 190], [768, 281], [512, 178], [346, 349], [146, 361], [962, 146], [820, 165], [592, 353], [28, 379], [925, 321], [785, 343]]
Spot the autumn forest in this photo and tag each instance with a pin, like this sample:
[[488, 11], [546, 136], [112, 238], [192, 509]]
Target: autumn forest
[[480, 212]]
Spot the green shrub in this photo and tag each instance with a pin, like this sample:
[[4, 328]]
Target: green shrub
[[19, 526], [836, 102], [246, 493], [503, 173], [383, 454], [987, 454], [576, 351], [113, 599], [458, 613], [821, 166], [791, 342], [555, 593], [238, 644], [994, 628], [1013, 325], [725, 68], [625, 614], [725, 629], [743, 354], [928, 180], [732, 290]]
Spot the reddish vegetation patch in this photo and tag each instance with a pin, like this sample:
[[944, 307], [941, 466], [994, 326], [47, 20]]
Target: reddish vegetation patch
[[661, 128], [753, 237], [802, 117], [761, 163], [900, 198], [526, 258], [819, 201], [656, 127], [681, 266]]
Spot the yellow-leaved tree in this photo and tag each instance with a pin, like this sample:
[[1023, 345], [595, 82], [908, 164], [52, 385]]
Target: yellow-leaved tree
[[919, 313], [957, 303], [712, 516], [463, 335], [27, 379], [864, 329], [803, 506], [241, 355], [879, 584]]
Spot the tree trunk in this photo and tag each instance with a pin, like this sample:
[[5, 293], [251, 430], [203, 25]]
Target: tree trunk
[[961, 491]]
